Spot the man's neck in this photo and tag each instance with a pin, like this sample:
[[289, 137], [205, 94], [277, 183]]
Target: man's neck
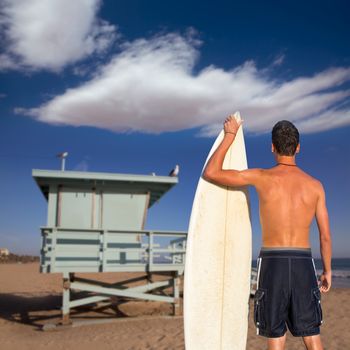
[[288, 160]]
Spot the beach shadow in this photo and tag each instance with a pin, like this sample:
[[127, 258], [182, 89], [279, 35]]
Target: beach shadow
[[36, 311], [24, 309]]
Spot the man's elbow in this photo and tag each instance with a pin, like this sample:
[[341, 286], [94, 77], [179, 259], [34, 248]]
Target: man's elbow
[[208, 175]]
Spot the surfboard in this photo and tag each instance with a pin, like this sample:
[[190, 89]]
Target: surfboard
[[218, 260]]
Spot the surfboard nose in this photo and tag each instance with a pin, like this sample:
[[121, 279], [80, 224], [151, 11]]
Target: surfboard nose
[[237, 115]]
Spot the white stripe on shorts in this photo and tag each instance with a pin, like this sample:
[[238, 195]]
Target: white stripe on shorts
[[259, 266], [313, 263]]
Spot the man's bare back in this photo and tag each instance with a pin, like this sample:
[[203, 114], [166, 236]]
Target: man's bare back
[[287, 205], [289, 200]]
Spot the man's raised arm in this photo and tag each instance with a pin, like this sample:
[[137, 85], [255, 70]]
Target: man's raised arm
[[213, 170]]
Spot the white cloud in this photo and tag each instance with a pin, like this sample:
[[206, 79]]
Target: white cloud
[[279, 60], [51, 34], [7, 63], [150, 87]]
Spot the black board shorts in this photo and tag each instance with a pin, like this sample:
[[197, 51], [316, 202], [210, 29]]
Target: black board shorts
[[287, 293]]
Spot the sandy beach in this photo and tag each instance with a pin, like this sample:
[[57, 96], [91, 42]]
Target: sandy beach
[[28, 300]]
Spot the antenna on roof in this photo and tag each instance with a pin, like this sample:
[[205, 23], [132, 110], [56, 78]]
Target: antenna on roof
[[63, 157]]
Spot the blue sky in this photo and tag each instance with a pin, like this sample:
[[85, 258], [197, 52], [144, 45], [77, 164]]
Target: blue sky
[[137, 87]]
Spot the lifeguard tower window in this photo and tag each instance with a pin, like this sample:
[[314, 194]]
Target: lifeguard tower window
[[118, 209], [75, 205]]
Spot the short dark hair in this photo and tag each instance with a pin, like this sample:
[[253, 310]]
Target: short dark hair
[[285, 138]]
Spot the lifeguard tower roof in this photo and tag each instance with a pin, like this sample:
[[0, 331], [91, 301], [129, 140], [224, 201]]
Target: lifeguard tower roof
[[155, 184]]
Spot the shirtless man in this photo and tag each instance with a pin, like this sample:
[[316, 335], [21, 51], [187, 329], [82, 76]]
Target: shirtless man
[[288, 293]]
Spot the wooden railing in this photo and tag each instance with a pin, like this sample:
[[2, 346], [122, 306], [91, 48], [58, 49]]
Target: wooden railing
[[92, 250]]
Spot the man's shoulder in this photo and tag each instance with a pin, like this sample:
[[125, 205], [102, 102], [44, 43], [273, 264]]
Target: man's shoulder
[[264, 171], [319, 186], [303, 174], [255, 176], [254, 172], [315, 183]]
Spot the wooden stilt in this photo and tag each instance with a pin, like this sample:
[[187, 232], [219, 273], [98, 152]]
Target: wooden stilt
[[177, 309], [66, 299]]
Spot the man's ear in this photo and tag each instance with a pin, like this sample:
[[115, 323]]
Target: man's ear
[[298, 148], [272, 148]]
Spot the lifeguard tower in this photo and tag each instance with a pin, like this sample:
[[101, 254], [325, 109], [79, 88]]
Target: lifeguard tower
[[95, 223]]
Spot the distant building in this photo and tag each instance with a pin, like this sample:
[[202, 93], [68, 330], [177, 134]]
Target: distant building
[[4, 252]]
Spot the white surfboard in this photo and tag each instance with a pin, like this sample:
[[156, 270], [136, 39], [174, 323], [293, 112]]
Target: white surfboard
[[218, 260]]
